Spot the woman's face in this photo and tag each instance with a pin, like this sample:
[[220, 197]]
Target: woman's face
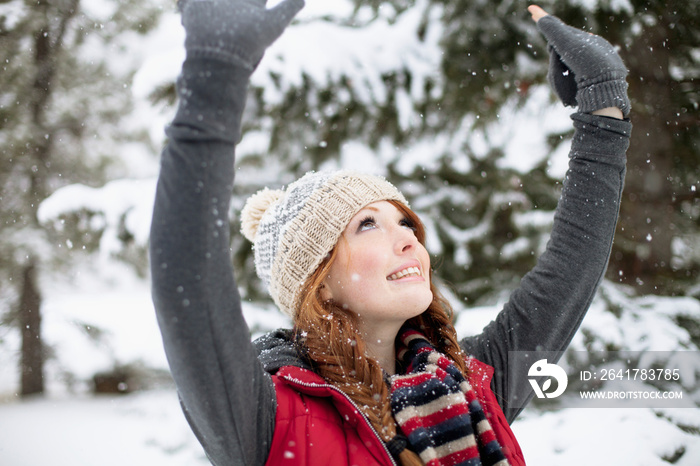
[[381, 271]]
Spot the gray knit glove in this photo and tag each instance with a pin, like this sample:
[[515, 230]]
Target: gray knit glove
[[236, 31], [584, 69]]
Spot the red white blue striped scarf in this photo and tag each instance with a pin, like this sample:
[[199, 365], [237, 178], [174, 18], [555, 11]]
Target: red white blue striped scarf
[[438, 411]]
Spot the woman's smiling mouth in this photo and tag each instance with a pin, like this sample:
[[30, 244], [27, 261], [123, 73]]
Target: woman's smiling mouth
[[406, 272]]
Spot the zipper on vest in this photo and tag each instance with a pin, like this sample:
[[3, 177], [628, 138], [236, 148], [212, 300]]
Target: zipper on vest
[[316, 385]]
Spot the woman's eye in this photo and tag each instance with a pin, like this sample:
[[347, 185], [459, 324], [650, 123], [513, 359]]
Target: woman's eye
[[406, 223], [367, 224]]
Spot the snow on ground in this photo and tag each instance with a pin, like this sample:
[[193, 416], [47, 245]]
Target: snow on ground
[[624, 436], [143, 429]]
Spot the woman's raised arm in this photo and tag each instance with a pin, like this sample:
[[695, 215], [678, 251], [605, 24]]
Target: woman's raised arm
[[227, 397], [543, 314]]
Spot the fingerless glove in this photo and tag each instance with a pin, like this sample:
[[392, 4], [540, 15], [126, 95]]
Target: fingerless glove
[[584, 69]]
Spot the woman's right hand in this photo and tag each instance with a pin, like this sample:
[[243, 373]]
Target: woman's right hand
[[236, 31]]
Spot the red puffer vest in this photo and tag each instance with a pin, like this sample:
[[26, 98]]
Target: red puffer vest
[[317, 424]]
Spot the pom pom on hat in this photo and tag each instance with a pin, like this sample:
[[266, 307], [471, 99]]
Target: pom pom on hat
[[254, 209]]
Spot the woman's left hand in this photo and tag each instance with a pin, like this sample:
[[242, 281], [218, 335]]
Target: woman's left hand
[[584, 69]]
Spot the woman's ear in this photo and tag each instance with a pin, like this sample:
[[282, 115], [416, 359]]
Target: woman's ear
[[325, 293]]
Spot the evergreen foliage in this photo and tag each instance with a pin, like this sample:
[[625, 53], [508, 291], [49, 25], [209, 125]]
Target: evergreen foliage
[[63, 90], [493, 61]]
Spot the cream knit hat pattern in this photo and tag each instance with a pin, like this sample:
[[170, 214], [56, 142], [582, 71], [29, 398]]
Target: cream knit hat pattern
[[293, 230]]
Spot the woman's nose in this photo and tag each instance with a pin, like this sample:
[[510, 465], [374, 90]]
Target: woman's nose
[[405, 240]]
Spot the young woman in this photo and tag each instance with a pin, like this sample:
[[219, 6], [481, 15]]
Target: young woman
[[372, 372]]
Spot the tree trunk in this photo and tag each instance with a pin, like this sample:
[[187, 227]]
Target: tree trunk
[[48, 42], [32, 360], [642, 254]]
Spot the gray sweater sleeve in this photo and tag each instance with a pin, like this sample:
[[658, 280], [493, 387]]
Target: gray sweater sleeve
[[226, 395], [546, 310]]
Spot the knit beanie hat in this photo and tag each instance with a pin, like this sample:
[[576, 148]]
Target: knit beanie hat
[[293, 230]]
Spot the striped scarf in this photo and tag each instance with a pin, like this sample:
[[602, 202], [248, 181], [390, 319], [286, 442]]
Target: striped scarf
[[437, 409]]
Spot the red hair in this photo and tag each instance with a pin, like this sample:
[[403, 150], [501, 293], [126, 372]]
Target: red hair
[[331, 340]]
